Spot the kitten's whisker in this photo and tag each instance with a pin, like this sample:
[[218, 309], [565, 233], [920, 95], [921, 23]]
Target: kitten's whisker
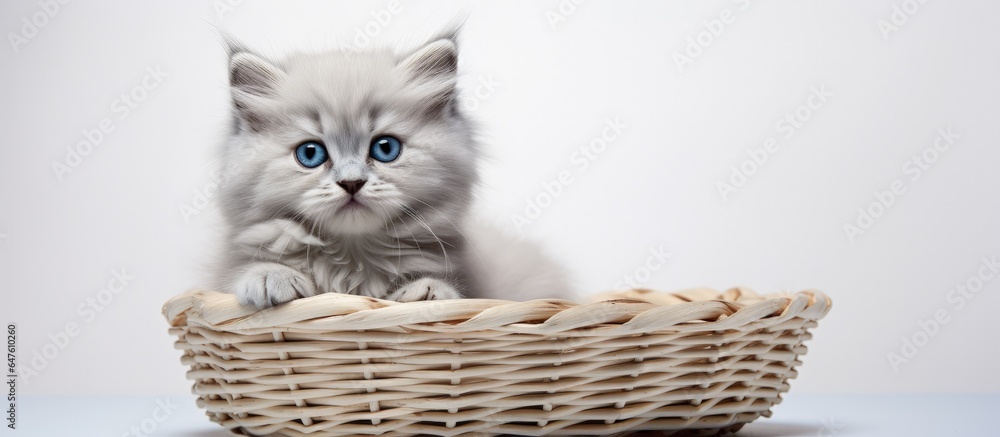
[[416, 242], [457, 229], [399, 244], [415, 216]]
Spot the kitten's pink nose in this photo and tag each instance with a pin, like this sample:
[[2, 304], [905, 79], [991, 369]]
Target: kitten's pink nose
[[352, 186]]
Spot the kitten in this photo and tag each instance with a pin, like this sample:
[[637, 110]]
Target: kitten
[[353, 172]]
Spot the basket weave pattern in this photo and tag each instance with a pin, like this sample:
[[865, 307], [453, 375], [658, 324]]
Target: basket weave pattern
[[698, 361]]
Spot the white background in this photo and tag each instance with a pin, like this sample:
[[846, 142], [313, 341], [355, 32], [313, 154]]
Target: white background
[[656, 185]]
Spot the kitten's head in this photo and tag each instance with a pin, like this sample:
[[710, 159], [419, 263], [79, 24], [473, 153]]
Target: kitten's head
[[348, 142]]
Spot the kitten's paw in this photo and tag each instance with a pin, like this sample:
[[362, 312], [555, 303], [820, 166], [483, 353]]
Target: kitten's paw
[[424, 289], [268, 284]]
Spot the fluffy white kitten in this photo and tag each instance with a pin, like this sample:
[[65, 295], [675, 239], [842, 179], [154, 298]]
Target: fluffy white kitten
[[354, 173]]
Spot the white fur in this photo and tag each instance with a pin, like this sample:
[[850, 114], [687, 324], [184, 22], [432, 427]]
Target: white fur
[[405, 235]]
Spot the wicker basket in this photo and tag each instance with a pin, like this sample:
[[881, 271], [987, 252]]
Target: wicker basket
[[696, 362]]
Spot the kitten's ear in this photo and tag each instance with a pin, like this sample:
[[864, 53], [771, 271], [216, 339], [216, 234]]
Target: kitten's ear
[[433, 61], [433, 70], [253, 81], [253, 75]]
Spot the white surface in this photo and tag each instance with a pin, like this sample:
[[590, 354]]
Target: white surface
[[654, 186], [800, 415]]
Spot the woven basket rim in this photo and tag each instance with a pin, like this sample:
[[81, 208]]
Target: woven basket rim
[[697, 362], [626, 312]]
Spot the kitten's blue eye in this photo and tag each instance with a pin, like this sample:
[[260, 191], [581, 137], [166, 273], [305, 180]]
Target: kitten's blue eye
[[386, 148], [311, 154]]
